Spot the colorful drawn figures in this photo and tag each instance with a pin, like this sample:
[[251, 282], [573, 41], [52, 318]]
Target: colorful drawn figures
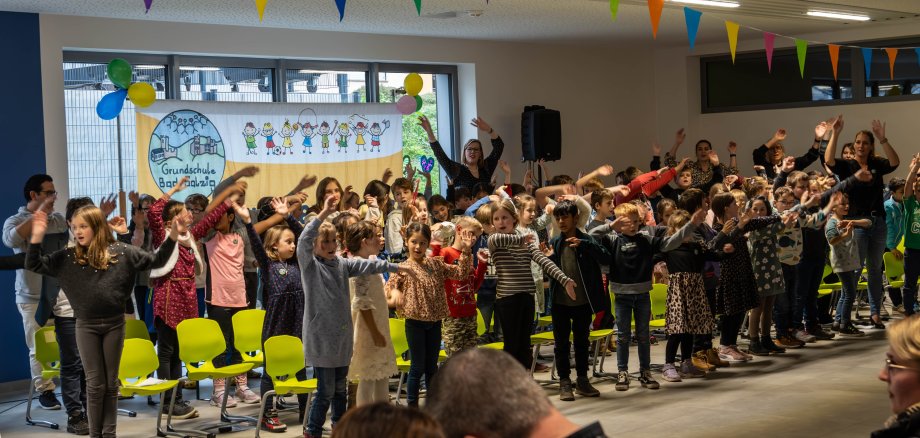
[[359, 135], [249, 133], [307, 130], [269, 132], [343, 133], [376, 132], [324, 132], [286, 133]]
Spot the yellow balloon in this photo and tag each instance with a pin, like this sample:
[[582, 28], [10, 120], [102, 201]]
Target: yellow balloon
[[142, 94], [413, 84]]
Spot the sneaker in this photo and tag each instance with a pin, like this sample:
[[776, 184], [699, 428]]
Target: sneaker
[[218, 396], [712, 356], [835, 326], [700, 361], [803, 336], [583, 388], [540, 368], [731, 354], [746, 356], [622, 381], [758, 348], [851, 330], [565, 389], [271, 422], [688, 371], [77, 423], [820, 334], [669, 373], [652, 340], [48, 401], [246, 395], [183, 410], [647, 381], [786, 341]]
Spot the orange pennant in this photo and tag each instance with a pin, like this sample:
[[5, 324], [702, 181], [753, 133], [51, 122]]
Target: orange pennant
[[834, 51], [892, 54], [732, 29], [654, 11]]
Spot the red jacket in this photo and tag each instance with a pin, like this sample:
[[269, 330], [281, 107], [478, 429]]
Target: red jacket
[[461, 298]]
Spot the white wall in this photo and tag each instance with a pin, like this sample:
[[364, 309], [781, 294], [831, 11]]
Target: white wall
[[604, 93]]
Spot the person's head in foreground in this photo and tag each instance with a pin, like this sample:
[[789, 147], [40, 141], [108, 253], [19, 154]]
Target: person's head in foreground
[[902, 374], [385, 420], [518, 407]]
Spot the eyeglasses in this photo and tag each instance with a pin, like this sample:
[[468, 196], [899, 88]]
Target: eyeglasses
[[889, 365], [49, 192]]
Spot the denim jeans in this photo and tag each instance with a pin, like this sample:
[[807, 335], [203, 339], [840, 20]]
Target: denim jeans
[[424, 346], [331, 387], [848, 281], [782, 307], [871, 243], [73, 381], [808, 279], [911, 272], [574, 321], [629, 306]]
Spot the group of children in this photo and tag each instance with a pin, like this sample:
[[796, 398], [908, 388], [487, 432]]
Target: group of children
[[727, 248]]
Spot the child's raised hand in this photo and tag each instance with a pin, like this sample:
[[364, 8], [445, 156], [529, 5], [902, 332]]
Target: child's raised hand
[[181, 185], [371, 201], [241, 212], [656, 149], [713, 158], [680, 136], [483, 256], [570, 289], [698, 216], [605, 170], [280, 206], [728, 248], [573, 242], [820, 130], [107, 205], [546, 249], [118, 225], [790, 218], [387, 174], [134, 197], [620, 190], [504, 166], [467, 240], [729, 226], [330, 204], [788, 164], [39, 224], [527, 239]]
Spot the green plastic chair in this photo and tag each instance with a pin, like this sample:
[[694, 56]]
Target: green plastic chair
[[283, 360], [247, 335], [894, 270], [400, 346], [481, 330], [138, 362], [659, 297], [48, 354], [200, 341], [136, 329], [832, 286]]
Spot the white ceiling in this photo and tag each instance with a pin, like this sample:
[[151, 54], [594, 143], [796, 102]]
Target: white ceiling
[[519, 20]]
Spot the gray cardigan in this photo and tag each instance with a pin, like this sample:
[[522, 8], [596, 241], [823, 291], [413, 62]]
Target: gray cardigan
[[328, 335]]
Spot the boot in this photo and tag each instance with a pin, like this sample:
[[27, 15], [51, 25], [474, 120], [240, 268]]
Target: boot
[[565, 389], [583, 387], [770, 345], [712, 356], [758, 349], [700, 361]]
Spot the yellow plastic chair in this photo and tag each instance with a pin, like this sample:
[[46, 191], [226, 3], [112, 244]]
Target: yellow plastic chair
[[247, 335], [200, 341], [283, 360], [481, 330], [894, 270], [138, 362], [659, 297], [136, 329], [48, 354], [832, 286], [400, 346]]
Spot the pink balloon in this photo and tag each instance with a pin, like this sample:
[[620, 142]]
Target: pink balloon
[[406, 105]]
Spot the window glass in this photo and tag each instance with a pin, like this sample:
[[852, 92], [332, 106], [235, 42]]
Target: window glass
[[323, 86], [906, 74], [225, 84]]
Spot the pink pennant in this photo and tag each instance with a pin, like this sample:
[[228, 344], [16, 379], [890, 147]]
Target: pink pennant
[[768, 40]]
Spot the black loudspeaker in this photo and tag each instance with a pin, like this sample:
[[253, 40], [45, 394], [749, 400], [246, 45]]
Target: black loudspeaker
[[541, 134]]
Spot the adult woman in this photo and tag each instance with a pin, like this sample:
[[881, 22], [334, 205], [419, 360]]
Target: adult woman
[[867, 200], [474, 169], [702, 168], [902, 374], [770, 155]]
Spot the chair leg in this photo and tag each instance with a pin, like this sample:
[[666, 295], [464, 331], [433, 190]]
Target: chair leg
[[160, 431], [127, 412], [172, 404], [29, 420], [399, 387], [262, 410], [306, 411]]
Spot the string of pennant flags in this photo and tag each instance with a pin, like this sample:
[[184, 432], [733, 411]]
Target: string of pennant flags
[[692, 18], [260, 7]]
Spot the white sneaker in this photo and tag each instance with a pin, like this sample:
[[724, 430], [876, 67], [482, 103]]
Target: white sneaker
[[217, 398], [669, 373], [246, 395]]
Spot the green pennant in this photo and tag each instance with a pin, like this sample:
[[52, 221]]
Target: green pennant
[[614, 5], [801, 48], [418, 6]]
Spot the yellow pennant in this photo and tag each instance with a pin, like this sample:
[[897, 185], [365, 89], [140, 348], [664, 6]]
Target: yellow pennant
[[260, 6], [732, 29]]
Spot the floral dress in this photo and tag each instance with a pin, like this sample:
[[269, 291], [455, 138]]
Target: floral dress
[[768, 273], [737, 291], [282, 288], [370, 362]]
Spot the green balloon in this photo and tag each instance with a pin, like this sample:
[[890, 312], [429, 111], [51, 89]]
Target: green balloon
[[119, 72], [418, 103]]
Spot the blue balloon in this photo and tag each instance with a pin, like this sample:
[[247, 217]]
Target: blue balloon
[[110, 105]]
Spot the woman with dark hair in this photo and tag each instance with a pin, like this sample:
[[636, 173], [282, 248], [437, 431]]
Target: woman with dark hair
[[327, 186], [474, 168], [770, 155], [703, 168], [867, 201]]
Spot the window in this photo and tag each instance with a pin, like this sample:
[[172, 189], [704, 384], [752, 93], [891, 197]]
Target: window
[[318, 86], [225, 84], [93, 162], [906, 75], [436, 106]]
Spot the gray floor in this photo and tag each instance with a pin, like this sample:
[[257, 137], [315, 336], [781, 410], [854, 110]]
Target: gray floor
[[828, 389]]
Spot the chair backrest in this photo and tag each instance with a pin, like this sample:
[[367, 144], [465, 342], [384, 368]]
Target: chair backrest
[[200, 340], [138, 360], [659, 298], [480, 324], [136, 329], [283, 357], [894, 268], [247, 330], [47, 352], [398, 336]]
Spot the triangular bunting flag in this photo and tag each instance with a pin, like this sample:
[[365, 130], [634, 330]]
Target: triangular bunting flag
[[147, 4], [260, 7], [867, 60], [768, 40], [654, 12], [614, 6], [732, 29], [892, 54], [834, 51], [801, 49], [340, 4], [693, 24], [418, 6]]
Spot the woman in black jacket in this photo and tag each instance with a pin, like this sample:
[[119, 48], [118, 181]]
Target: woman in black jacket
[[474, 169]]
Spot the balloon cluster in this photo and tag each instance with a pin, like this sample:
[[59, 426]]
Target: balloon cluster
[[140, 93], [411, 102]]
